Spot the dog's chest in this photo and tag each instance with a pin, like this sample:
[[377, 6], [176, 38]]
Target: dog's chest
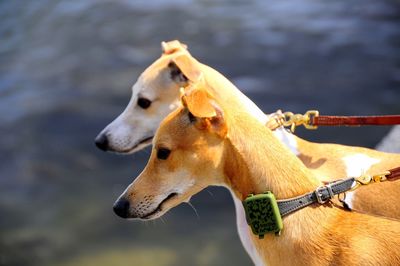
[[244, 232]]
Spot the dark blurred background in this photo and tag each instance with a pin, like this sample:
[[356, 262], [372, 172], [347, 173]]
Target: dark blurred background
[[66, 68]]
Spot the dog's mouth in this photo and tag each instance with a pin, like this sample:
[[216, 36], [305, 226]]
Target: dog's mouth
[[159, 209], [143, 142]]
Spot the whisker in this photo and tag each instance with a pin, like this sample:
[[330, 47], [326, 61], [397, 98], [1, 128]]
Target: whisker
[[209, 192], [194, 209], [162, 220], [145, 223]]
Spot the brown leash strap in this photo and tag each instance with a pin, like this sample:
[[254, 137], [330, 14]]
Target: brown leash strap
[[311, 120], [394, 174], [326, 120]]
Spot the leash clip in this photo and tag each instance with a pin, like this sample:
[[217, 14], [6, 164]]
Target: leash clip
[[368, 179], [294, 120], [381, 177]]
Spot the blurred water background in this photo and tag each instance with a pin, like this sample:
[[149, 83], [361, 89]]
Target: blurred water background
[[66, 68]]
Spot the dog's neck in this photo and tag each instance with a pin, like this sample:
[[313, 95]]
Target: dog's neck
[[256, 162], [221, 88]]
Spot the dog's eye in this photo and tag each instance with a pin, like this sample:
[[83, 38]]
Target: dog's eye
[[163, 153], [144, 103]]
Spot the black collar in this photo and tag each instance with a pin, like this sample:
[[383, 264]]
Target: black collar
[[264, 213]]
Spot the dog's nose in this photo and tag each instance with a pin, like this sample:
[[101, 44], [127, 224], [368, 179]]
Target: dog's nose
[[101, 142], [121, 208]]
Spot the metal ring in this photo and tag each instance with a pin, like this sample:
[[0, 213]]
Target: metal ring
[[344, 197]]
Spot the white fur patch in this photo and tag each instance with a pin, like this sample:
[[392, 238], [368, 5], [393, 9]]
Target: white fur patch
[[287, 138], [256, 112], [244, 232], [185, 181], [179, 182], [356, 165], [174, 105], [251, 107]]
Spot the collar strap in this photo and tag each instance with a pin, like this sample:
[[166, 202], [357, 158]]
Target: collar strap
[[321, 195], [264, 213]]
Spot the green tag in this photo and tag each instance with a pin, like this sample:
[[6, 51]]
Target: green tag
[[262, 214]]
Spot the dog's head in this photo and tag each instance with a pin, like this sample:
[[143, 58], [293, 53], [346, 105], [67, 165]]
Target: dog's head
[[187, 156], [154, 95]]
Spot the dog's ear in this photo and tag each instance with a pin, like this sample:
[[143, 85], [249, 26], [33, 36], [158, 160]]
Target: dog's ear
[[198, 103], [204, 111], [184, 68], [172, 47]]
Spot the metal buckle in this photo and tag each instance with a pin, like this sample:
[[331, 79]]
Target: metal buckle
[[318, 193], [309, 116]]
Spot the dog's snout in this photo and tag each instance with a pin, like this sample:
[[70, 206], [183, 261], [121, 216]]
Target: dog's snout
[[121, 208], [101, 142]]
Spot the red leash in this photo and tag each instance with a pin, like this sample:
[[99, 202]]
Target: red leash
[[394, 174], [311, 120], [327, 120]]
